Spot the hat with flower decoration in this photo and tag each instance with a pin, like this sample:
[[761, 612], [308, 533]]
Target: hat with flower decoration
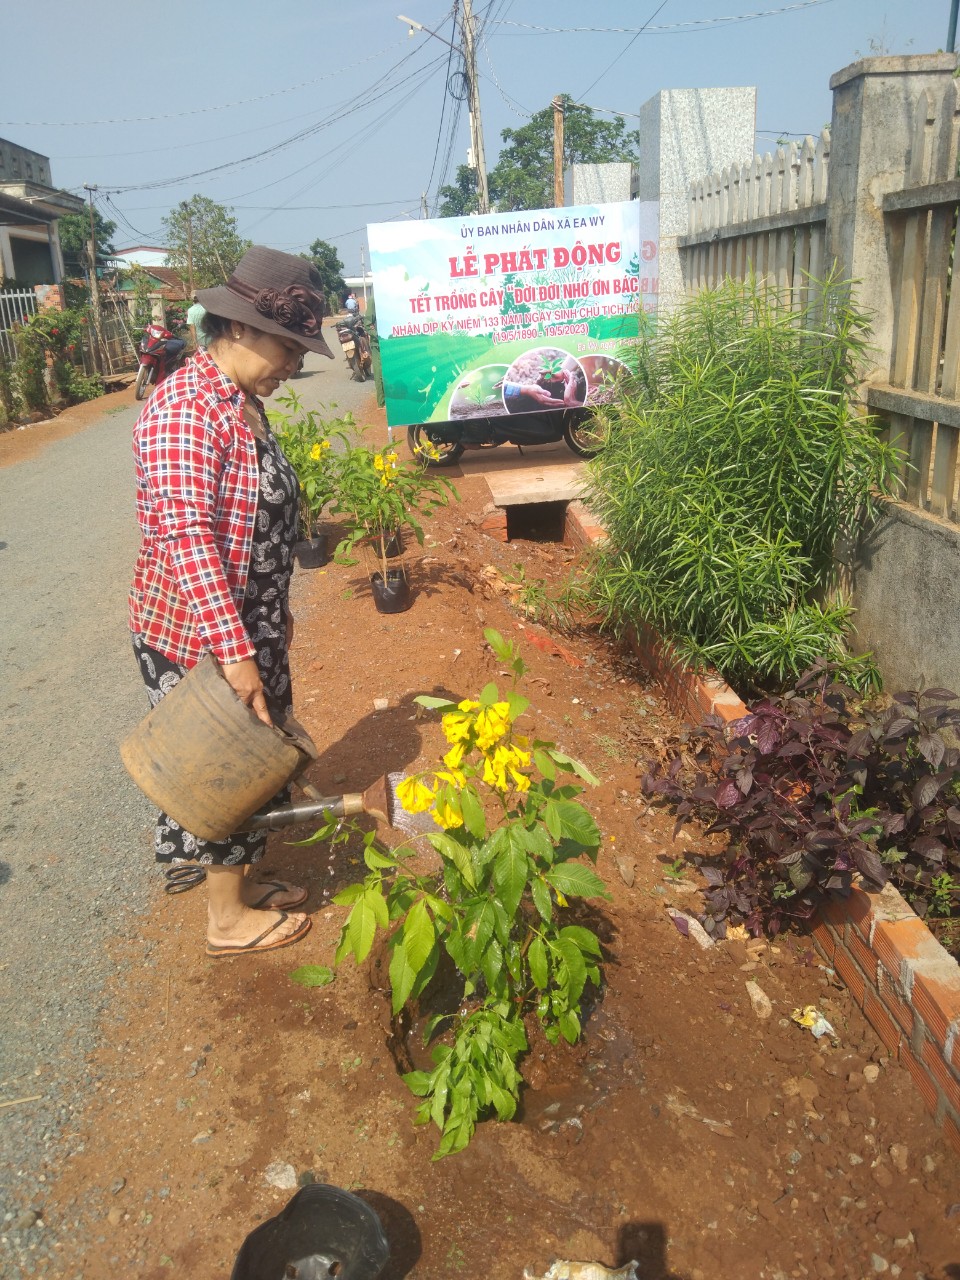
[[274, 292]]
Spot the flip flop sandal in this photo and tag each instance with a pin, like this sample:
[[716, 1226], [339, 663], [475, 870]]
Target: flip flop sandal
[[260, 942], [181, 878], [274, 887]]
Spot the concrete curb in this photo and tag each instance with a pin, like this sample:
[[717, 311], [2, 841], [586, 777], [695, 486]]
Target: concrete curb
[[906, 983]]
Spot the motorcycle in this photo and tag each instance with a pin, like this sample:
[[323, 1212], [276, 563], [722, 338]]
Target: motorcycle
[[157, 359], [496, 412], [356, 347]]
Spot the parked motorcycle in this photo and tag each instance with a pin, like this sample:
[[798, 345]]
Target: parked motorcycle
[[441, 444], [160, 354], [356, 347]]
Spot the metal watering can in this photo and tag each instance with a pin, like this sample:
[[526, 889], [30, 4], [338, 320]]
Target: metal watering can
[[206, 759]]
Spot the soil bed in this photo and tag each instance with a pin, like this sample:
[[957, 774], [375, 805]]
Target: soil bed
[[683, 1130]]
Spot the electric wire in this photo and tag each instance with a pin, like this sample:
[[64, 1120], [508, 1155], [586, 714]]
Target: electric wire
[[355, 104], [690, 27], [194, 111], [626, 48]]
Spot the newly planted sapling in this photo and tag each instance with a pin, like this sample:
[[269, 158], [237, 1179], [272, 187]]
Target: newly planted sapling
[[510, 836]]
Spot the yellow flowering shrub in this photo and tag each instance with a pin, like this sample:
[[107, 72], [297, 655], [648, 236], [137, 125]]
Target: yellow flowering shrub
[[511, 835]]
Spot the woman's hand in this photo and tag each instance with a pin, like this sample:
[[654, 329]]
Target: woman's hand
[[244, 679]]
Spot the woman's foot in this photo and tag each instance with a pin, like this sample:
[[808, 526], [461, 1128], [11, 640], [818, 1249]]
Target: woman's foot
[[253, 930], [272, 895]]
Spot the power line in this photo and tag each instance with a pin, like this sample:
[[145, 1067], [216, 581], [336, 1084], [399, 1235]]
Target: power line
[[682, 28], [355, 104], [628, 46], [195, 111]]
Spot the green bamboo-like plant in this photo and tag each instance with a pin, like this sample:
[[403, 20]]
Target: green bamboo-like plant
[[735, 459]]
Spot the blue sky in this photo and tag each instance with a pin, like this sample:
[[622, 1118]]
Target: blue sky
[[353, 115]]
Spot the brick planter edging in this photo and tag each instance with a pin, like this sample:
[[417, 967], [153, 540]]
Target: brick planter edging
[[905, 982]]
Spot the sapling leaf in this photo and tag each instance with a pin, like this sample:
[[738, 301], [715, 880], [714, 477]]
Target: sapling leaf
[[472, 810], [540, 892], [419, 935], [574, 766], [435, 704], [510, 871], [545, 764], [402, 977], [537, 959], [312, 975]]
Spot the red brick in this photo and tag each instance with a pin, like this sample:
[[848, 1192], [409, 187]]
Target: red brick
[[824, 937], [948, 1081], [863, 955], [882, 1023], [899, 940], [890, 994], [848, 970], [921, 1078], [955, 1056], [860, 911], [835, 911], [951, 1131], [936, 997]]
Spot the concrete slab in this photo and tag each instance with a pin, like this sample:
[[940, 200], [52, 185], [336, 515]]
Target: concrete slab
[[541, 473]]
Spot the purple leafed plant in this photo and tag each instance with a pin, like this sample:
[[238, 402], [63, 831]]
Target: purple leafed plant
[[812, 787]]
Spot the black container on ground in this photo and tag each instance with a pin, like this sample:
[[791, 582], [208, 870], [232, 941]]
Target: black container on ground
[[323, 1231], [392, 596], [312, 553]]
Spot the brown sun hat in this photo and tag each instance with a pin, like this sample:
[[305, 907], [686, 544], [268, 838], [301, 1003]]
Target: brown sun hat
[[274, 292]]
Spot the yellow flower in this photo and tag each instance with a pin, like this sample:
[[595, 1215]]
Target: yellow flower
[[444, 815], [456, 776], [456, 728], [492, 724], [393, 459], [377, 462], [454, 756], [324, 444], [384, 482], [414, 796], [315, 452]]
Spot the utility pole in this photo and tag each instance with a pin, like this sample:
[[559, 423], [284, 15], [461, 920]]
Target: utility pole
[[424, 212], [186, 209], [952, 26], [558, 152], [476, 125], [477, 158], [363, 277], [99, 346]]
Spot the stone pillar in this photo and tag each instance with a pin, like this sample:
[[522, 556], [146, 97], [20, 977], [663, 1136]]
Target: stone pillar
[[685, 134], [874, 113]]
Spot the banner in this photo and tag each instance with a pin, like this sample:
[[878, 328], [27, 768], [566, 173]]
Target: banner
[[510, 312]]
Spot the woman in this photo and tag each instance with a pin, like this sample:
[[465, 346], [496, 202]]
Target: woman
[[217, 503]]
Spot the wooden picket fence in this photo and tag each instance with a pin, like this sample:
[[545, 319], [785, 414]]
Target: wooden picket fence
[[767, 217], [920, 401]]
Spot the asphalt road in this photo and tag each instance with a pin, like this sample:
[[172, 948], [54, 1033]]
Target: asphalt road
[[75, 833]]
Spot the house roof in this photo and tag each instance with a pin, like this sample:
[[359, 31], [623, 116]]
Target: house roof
[[171, 287]]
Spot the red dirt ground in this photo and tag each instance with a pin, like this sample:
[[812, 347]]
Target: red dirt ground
[[683, 1131]]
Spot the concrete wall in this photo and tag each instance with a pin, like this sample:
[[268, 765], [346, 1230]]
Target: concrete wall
[[19, 164], [906, 590], [685, 133], [598, 183]]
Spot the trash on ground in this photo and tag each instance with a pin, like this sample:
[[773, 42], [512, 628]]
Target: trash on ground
[[627, 868], [760, 1000], [685, 1110], [811, 1017], [585, 1271], [690, 927]]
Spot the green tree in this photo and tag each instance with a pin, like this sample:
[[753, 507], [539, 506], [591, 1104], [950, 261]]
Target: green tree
[[207, 231], [459, 200], [523, 176], [142, 306], [74, 230], [327, 262]]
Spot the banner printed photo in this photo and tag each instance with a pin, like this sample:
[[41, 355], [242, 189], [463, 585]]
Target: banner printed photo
[[510, 312]]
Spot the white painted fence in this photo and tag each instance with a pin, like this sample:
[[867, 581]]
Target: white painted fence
[[16, 305]]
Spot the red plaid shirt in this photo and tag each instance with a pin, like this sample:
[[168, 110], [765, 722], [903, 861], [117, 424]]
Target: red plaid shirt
[[197, 483]]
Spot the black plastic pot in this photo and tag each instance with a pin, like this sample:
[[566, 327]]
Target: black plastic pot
[[392, 596], [312, 553], [323, 1231], [393, 544]]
